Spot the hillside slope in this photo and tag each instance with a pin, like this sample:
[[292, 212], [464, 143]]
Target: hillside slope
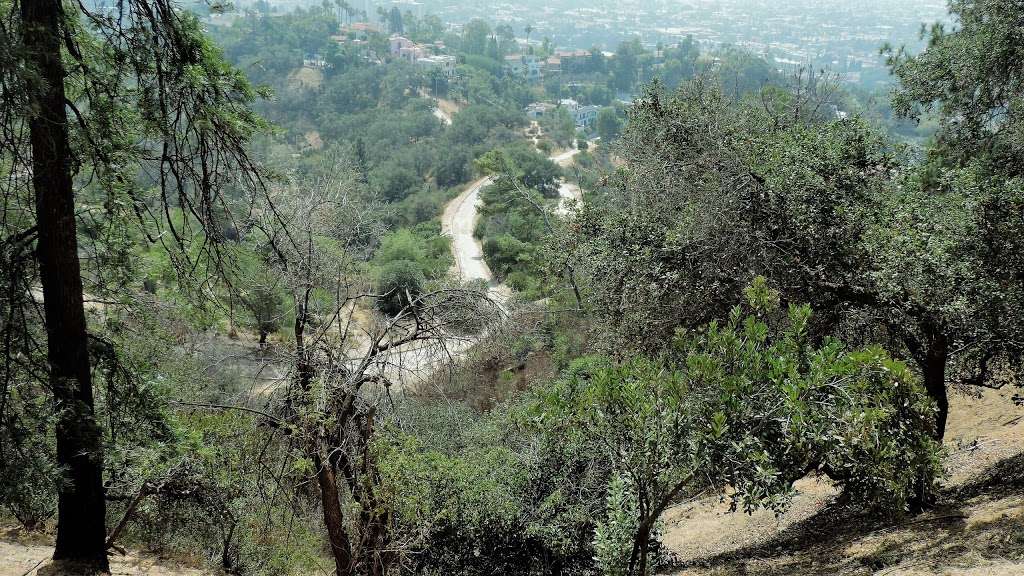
[[976, 529]]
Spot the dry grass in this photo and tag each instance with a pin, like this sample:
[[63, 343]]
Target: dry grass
[[976, 529], [305, 77], [25, 554]]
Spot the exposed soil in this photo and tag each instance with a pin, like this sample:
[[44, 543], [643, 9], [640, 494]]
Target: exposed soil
[[977, 527], [313, 139], [306, 78], [448, 107], [458, 221], [25, 554]]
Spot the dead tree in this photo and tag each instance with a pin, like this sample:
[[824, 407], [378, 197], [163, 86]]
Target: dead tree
[[348, 360]]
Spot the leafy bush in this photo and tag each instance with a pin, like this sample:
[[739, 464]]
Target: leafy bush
[[401, 245], [613, 538], [505, 253], [401, 281], [482, 494], [752, 405], [394, 182], [573, 476], [266, 305]]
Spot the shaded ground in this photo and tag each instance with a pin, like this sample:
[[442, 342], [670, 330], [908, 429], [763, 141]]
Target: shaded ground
[[29, 555], [976, 529]]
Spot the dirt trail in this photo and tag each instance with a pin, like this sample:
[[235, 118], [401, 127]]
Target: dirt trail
[[459, 220], [443, 116], [29, 556], [443, 110], [567, 191]]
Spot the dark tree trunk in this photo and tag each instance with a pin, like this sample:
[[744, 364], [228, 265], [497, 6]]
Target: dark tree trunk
[[933, 363], [327, 479], [81, 508], [641, 546], [334, 520], [643, 538], [934, 372]]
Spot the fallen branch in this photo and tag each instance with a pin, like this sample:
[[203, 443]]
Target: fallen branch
[[146, 489], [34, 567]]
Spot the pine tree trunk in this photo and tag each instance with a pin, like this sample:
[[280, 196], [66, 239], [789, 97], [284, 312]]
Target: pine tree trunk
[[934, 372], [81, 509], [933, 369]]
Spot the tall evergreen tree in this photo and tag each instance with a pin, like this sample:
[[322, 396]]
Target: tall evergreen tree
[[81, 508], [132, 110]]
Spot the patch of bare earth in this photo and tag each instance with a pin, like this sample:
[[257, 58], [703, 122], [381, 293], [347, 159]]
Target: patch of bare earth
[[976, 528], [448, 107], [306, 77], [24, 554], [313, 140]]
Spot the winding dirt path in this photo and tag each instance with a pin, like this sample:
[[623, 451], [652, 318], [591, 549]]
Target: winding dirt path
[[459, 220], [567, 191]]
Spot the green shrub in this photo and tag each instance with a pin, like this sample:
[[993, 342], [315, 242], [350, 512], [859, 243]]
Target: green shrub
[[401, 281], [480, 494], [400, 245], [752, 404], [505, 253]]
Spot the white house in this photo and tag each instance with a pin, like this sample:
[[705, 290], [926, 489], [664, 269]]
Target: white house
[[569, 104], [446, 64], [315, 61], [585, 116]]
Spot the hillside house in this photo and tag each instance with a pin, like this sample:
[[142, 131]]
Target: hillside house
[[525, 66], [446, 64], [570, 61], [538, 110], [404, 49], [585, 116]]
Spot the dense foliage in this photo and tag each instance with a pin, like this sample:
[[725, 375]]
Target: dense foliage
[[579, 472], [231, 333], [714, 192]]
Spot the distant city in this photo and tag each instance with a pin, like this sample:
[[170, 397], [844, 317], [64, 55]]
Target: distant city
[[841, 35]]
